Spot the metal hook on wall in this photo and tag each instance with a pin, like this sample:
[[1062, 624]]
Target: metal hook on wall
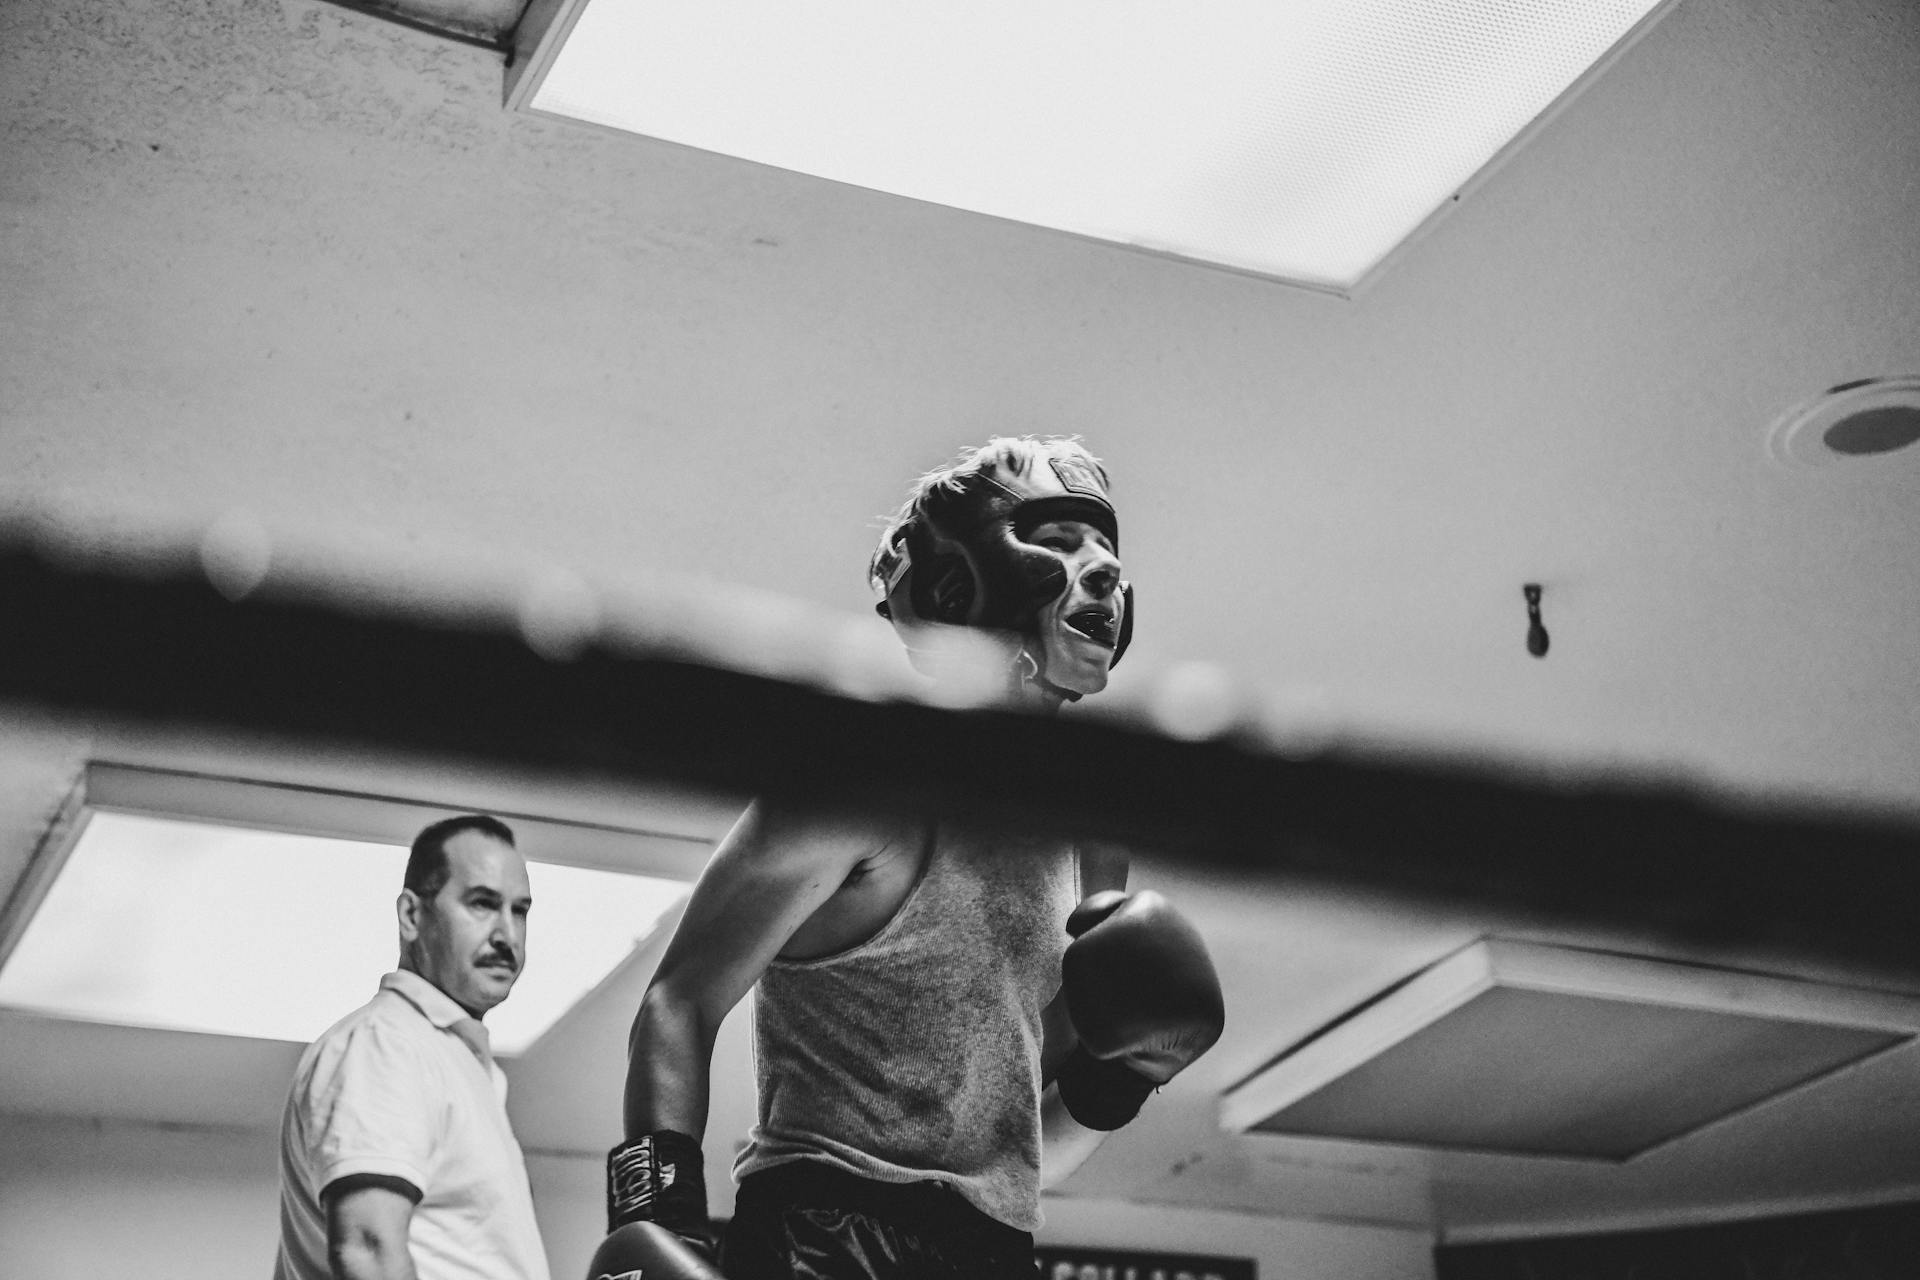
[[1537, 639]]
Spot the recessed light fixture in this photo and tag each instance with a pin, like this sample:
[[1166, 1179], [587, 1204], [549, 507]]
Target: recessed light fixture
[[1868, 418], [1532, 1050], [208, 926], [1296, 139]]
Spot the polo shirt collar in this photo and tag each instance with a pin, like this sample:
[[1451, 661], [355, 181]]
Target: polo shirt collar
[[435, 1005]]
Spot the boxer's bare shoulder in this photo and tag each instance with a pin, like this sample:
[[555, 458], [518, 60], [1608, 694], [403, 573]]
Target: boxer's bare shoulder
[[768, 882]]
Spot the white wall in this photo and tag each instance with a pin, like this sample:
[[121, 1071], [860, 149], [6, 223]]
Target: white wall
[[83, 1199]]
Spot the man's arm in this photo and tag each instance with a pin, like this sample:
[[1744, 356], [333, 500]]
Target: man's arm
[[769, 876], [1065, 1143], [766, 878], [367, 1221]]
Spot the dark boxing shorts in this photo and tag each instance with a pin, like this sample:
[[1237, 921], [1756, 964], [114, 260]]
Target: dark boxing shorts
[[809, 1221]]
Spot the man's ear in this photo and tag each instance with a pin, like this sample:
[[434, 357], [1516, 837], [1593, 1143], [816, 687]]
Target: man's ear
[[406, 908]]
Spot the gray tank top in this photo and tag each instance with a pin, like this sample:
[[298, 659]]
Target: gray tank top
[[915, 1055]]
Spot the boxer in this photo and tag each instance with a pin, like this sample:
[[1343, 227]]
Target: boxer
[[940, 1003]]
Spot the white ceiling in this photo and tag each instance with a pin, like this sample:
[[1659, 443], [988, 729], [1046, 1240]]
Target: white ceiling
[[1298, 141], [279, 257]]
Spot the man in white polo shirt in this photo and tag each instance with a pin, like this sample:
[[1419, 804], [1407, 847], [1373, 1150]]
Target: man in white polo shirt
[[396, 1159]]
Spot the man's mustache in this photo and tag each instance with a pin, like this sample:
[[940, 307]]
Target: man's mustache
[[501, 955]]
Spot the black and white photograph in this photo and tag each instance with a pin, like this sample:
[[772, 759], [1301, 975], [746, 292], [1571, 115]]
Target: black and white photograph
[[916, 640]]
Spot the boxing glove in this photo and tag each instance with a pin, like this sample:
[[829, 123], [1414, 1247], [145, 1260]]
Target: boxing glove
[[1144, 1001], [647, 1249]]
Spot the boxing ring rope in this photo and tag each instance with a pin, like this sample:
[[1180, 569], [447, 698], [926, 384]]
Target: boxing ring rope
[[152, 641]]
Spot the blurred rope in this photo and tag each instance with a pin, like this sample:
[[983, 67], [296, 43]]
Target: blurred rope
[[157, 643]]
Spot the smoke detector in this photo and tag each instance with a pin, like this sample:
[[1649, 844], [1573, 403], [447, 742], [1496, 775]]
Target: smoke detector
[[1868, 418]]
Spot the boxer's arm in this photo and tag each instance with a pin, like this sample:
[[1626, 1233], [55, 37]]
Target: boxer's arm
[[1065, 1143], [367, 1222], [1102, 866], [774, 869]]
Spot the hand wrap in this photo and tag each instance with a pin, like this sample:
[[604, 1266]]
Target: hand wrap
[[660, 1177]]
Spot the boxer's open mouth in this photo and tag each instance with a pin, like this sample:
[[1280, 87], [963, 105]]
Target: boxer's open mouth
[[1096, 624]]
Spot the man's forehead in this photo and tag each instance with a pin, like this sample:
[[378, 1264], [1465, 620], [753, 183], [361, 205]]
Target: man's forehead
[[480, 861]]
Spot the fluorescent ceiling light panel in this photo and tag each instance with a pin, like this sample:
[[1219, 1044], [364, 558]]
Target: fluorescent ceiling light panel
[[1299, 139], [1535, 1050], [189, 926]]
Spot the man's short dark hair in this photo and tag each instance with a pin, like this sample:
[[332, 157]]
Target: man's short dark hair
[[427, 868]]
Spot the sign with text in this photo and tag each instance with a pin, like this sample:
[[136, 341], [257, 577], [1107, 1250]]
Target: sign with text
[[1128, 1264]]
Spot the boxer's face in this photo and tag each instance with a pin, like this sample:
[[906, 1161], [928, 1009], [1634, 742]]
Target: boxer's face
[[1078, 630], [470, 939]]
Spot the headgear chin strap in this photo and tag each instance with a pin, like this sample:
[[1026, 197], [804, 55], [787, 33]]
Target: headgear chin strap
[[963, 559]]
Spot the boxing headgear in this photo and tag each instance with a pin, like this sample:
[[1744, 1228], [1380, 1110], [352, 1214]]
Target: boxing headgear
[[963, 559]]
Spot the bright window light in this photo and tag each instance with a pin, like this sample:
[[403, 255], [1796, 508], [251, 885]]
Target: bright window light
[[1300, 139], [166, 923]]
